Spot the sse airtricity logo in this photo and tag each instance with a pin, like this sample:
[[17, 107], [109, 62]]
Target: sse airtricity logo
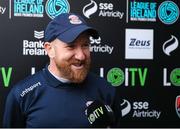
[[102, 10], [126, 107], [139, 109], [56, 7], [168, 12], [2, 10], [88, 10], [170, 45]]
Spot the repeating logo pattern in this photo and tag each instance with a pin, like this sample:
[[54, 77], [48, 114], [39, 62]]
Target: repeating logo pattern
[[115, 76], [34, 47], [138, 46], [2, 10], [143, 11], [131, 76], [177, 105], [88, 10], [102, 9], [56, 7], [28, 8], [170, 45], [97, 46], [171, 77], [39, 34], [126, 107], [139, 109], [168, 12], [175, 77]]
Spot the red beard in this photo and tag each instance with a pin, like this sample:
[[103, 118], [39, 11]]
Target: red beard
[[75, 76]]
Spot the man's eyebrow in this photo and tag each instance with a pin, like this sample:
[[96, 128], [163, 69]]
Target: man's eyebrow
[[70, 45]]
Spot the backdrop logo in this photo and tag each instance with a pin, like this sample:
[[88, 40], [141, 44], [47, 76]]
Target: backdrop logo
[[115, 76], [102, 9], [88, 10], [168, 12], [36, 47], [30, 8], [126, 107], [97, 47], [139, 109], [143, 11], [129, 76], [177, 105], [56, 7], [6, 76], [138, 46], [174, 77], [2, 10], [38, 34], [170, 45]]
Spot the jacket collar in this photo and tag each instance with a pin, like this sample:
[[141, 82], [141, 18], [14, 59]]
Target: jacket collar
[[52, 81]]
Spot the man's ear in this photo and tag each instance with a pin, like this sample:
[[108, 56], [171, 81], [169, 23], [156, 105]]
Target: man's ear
[[49, 49]]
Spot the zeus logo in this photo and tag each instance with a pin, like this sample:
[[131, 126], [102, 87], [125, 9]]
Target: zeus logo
[[170, 45], [90, 9], [135, 42], [126, 109]]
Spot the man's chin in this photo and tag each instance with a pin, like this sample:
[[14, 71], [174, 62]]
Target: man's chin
[[78, 80], [79, 76]]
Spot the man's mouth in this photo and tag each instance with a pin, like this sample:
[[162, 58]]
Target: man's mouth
[[78, 66]]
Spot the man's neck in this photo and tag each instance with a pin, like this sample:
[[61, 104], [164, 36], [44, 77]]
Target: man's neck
[[64, 80]]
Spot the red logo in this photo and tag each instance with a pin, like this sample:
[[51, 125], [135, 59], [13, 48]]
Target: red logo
[[177, 105], [74, 19]]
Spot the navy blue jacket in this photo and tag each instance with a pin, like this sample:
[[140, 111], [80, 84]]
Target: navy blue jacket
[[41, 100]]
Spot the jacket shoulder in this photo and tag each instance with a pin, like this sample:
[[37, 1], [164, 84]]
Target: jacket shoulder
[[27, 85]]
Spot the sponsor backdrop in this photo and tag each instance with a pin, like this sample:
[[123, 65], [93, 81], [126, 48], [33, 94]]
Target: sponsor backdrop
[[138, 51]]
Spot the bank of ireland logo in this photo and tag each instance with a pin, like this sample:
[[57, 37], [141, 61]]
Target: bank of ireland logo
[[56, 7], [115, 76], [126, 107], [175, 77], [168, 12], [170, 45], [38, 34], [90, 9], [177, 105]]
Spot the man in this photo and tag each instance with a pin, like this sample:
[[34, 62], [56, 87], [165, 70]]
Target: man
[[58, 95]]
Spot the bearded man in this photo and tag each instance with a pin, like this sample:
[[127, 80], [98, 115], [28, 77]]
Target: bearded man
[[58, 95]]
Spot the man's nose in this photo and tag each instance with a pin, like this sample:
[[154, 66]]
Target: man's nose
[[80, 54]]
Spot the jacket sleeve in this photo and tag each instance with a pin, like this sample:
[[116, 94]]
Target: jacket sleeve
[[13, 116]]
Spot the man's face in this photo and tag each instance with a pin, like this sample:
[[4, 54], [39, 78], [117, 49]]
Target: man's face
[[73, 60]]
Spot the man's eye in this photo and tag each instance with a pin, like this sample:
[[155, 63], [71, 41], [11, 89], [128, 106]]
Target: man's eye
[[86, 45], [70, 46]]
